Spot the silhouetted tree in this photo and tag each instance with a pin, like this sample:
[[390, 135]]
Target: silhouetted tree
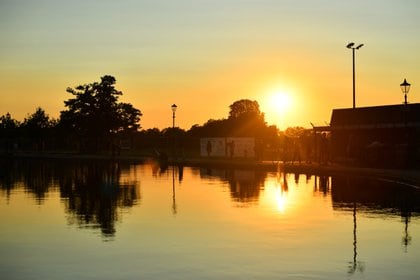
[[294, 132], [9, 129], [212, 128], [245, 108], [7, 122], [95, 112], [246, 119], [37, 120], [36, 127]]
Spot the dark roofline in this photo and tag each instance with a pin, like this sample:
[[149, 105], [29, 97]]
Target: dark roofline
[[381, 106], [387, 115]]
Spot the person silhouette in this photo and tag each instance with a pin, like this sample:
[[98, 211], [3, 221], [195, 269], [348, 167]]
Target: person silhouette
[[209, 148]]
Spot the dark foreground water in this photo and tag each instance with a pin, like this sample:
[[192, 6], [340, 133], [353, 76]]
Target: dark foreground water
[[107, 220]]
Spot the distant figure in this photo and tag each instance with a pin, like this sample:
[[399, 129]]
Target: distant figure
[[324, 148], [296, 150], [209, 148], [231, 148], [286, 149]]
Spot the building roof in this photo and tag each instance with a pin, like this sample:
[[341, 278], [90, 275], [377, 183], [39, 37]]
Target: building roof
[[377, 117]]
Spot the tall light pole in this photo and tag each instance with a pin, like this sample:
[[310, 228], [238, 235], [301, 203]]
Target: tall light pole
[[173, 107], [405, 88], [353, 48]]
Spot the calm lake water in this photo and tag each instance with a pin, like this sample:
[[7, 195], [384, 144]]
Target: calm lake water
[[106, 220]]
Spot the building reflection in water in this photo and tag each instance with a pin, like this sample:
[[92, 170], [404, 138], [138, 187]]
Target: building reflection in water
[[91, 191], [380, 197]]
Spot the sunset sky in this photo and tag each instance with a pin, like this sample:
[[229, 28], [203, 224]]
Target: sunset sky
[[204, 55]]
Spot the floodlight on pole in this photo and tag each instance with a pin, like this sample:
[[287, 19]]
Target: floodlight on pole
[[353, 48]]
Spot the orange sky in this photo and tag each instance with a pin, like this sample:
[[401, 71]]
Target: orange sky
[[205, 55]]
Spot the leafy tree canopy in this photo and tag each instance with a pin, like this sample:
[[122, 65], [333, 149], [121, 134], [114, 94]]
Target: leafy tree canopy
[[245, 108], [37, 120], [245, 120], [95, 111], [7, 122], [295, 132]]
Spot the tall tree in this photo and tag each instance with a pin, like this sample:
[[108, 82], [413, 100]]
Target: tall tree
[[8, 130], [246, 119], [36, 128], [95, 111], [245, 108], [37, 120], [7, 122]]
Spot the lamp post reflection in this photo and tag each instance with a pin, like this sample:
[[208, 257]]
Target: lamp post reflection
[[406, 240], [355, 264], [174, 207]]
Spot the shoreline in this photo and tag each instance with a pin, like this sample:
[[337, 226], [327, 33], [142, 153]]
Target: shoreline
[[406, 176]]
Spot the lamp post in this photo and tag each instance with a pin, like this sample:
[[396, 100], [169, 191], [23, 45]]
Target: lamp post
[[405, 88], [353, 48], [173, 107]]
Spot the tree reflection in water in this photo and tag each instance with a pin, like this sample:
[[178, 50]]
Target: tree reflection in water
[[93, 195], [245, 185], [90, 190], [38, 179]]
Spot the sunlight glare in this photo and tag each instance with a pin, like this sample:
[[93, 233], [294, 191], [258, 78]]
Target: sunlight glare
[[280, 100], [278, 103], [281, 200], [277, 193]]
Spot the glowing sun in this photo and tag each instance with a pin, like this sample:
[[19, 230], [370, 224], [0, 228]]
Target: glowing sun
[[280, 100], [277, 104]]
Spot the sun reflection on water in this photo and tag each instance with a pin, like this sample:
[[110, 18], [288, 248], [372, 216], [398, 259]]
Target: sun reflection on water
[[276, 191], [281, 200]]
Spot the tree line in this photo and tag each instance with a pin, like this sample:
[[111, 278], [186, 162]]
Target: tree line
[[95, 121]]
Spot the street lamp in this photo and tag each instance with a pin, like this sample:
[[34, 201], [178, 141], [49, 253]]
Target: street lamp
[[353, 48], [173, 107], [405, 88]]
